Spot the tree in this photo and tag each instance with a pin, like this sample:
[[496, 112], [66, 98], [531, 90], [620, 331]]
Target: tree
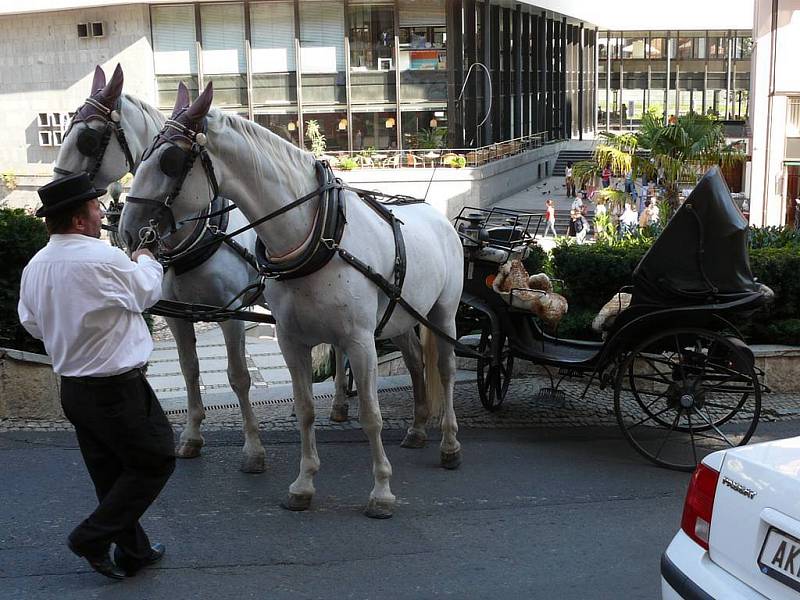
[[681, 152]]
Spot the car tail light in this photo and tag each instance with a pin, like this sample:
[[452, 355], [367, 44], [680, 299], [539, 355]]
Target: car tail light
[[696, 520]]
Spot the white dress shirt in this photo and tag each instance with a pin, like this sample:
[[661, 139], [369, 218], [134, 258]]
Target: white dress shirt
[[84, 299]]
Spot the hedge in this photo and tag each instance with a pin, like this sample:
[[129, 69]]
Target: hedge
[[592, 274], [21, 236]]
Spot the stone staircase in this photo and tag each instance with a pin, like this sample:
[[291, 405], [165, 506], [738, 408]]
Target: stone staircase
[[572, 156]]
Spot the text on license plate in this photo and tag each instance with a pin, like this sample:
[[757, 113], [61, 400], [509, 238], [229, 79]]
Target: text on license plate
[[780, 558]]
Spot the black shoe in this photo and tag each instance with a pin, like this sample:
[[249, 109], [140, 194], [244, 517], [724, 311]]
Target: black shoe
[[100, 563], [131, 566]]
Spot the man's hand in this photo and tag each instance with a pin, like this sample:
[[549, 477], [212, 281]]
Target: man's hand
[[142, 252]]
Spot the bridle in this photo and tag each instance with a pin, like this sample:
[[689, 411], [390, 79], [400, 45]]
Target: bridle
[[93, 143], [175, 162]]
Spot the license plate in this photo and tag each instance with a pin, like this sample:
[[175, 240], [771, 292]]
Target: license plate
[[780, 558]]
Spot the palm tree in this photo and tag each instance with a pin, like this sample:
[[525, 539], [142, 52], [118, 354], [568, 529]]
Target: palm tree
[[682, 152]]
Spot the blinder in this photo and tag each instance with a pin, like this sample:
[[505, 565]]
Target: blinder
[[173, 161], [89, 141]]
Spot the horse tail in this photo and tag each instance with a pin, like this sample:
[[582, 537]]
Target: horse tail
[[434, 394]]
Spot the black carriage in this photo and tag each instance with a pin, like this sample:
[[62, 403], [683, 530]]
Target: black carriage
[[684, 381]]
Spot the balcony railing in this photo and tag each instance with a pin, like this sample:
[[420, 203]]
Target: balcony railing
[[427, 158]]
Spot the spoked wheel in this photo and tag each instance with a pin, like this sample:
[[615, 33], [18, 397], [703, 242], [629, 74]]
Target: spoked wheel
[[685, 392], [493, 381]]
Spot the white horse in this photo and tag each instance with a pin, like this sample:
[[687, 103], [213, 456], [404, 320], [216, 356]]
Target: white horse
[[214, 282], [335, 304]]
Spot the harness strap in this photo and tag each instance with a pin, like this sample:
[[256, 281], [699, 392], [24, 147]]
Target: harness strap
[[399, 273], [393, 292]]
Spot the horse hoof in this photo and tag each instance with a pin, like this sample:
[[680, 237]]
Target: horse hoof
[[297, 502], [339, 414], [189, 449], [451, 460], [377, 509], [413, 439], [254, 464]]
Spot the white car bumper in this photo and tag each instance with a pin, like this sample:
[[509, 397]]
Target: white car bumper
[[687, 573]]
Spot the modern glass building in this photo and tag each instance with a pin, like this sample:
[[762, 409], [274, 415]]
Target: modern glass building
[[384, 74], [673, 73]]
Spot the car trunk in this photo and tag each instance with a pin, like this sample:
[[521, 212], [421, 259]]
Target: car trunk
[[755, 528]]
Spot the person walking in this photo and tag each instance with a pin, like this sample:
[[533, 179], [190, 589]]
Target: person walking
[[570, 181], [550, 218], [84, 299], [606, 176], [628, 221]]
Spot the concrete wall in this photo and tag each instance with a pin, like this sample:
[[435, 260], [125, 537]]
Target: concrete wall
[[46, 67], [451, 189]]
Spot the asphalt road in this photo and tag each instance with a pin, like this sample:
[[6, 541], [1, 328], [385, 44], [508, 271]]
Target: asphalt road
[[532, 513]]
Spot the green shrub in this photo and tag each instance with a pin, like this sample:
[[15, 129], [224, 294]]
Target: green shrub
[[577, 324], [536, 261], [592, 274], [773, 237], [21, 236], [347, 164], [779, 268]]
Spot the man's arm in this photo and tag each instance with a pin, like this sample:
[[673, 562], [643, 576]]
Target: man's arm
[[136, 284], [26, 316]]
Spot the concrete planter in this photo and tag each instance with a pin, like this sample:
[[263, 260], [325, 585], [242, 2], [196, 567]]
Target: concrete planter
[[28, 387]]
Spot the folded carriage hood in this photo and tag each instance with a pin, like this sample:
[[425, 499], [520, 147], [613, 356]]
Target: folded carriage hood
[[701, 256], [758, 488]]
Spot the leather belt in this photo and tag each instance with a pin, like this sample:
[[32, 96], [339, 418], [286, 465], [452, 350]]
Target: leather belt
[[89, 379]]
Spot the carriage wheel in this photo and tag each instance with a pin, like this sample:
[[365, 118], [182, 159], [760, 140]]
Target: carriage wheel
[[685, 392], [493, 381]]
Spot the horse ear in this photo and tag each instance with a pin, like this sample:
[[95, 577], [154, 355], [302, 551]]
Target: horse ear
[[199, 107], [181, 100], [111, 92], [99, 81]]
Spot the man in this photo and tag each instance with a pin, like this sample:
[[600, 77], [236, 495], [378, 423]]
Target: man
[[569, 180], [84, 299]]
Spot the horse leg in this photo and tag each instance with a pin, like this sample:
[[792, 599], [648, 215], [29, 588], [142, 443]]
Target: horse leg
[[411, 350], [253, 455], [450, 448], [341, 403], [364, 362], [298, 360], [191, 440]]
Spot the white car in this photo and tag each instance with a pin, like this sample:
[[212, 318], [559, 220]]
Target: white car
[[740, 531]]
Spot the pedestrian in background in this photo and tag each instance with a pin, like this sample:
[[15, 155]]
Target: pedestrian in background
[[606, 176], [84, 299], [629, 220], [570, 181], [550, 218]]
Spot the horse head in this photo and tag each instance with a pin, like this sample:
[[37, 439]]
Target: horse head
[[93, 142], [169, 185]]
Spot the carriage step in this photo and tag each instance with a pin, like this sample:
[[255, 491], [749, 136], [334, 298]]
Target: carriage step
[[548, 395]]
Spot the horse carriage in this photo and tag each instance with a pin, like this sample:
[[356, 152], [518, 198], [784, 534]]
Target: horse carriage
[[399, 266], [683, 380]]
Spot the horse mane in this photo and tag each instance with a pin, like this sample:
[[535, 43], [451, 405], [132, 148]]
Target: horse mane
[[153, 117], [286, 159]]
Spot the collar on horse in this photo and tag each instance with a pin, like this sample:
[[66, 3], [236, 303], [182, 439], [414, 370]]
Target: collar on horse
[[93, 143]]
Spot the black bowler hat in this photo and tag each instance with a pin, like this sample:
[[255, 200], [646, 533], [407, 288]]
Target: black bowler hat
[[63, 193]]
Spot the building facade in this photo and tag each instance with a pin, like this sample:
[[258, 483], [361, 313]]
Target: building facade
[[775, 114], [673, 72], [380, 74]]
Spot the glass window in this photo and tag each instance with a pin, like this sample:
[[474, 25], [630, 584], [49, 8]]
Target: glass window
[[371, 37], [375, 130], [717, 47], [658, 48], [174, 51], [743, 47], [322, 52], [224, 63], [602, 46], [423, 51], [284, 125], [685, 47], [332, 125], [633, 47], [273, 53], [425, 129]]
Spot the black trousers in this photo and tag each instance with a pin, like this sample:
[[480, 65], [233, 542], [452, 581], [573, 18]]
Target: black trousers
[[128, 447]]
